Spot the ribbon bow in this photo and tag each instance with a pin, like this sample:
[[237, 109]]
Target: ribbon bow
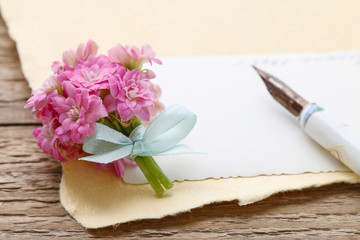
[[161, 138]]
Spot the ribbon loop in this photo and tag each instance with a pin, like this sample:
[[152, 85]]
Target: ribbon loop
[[169, 128], [160, 138]]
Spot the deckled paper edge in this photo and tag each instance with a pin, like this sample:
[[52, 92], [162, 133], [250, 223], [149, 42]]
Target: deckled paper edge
[[305, 180]]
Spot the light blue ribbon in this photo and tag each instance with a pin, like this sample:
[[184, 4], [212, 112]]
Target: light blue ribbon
[[161, 138]]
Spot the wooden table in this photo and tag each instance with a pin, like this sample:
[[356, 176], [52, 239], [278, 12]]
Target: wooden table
[[30, 206]]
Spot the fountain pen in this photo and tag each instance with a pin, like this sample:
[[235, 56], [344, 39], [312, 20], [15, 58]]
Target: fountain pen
[[332, 134]]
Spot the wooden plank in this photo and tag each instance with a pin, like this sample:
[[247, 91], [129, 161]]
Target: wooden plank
[[14, 90], [13, 113], [29, 191]]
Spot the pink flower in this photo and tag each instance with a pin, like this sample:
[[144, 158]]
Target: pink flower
[[49, 143], [69, 150], [47, 115], [45, 135], [132, 57], [70, 57], [84, 51], [130, 95], [93, 74], [118, 165], [41, 97], [147, 73], [77, 114], [84, 87], [45, 140], [57, 67], [158, 106], [57, 151]]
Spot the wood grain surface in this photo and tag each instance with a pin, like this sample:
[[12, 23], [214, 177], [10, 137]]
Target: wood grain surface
[[29, 191]]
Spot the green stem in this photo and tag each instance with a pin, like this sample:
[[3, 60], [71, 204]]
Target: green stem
[[158, 172], [117, 126], [108, 123], [128, 130], [135, 122], [153, 181]]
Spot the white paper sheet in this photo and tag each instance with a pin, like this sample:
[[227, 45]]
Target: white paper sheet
[[242, 130]]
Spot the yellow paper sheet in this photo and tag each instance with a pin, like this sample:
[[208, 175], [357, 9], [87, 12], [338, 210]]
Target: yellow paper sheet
[[43, 29]]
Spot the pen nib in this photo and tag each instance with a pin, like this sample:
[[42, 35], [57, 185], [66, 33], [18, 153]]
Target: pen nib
[[282, 93]]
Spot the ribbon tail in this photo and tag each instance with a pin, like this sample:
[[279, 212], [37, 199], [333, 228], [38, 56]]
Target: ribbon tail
[[177, 149], [109, 156]]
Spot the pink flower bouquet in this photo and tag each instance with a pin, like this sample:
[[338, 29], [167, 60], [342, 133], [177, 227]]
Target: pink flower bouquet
[[88, 91]]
